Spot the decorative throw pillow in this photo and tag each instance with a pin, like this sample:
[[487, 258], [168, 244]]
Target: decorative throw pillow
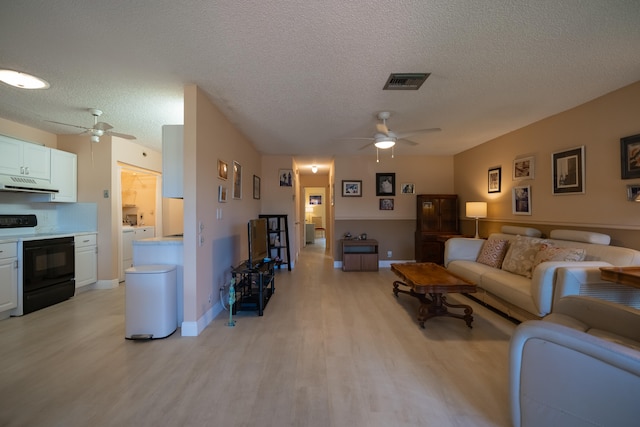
[[521, 254], [493, 252], [548, 252]]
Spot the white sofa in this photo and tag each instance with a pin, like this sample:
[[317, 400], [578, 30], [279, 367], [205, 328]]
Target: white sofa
[[580, 366], [526, 298]]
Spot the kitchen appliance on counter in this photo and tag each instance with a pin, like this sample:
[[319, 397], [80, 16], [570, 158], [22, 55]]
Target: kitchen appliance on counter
[[46, 264]]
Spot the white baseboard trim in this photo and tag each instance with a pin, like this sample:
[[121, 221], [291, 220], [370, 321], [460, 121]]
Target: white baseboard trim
[[193, 329]]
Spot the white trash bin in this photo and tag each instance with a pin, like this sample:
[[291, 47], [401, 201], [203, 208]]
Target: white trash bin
[[151, 301]]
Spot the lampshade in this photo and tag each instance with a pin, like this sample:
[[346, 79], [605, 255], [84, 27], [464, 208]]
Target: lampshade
[[476, 209], [385, 142], [308, 209]]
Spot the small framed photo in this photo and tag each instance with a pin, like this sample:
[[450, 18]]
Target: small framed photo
[[495, 180], [256, 187], [385, 184], [633, 192], [222, 193], [408, 188], [237, 180], [223, 172], [630, 157], [386, 204], [521, 201], [286, 177], [523, 168], [568, 171], [315, 200], [351, 188]]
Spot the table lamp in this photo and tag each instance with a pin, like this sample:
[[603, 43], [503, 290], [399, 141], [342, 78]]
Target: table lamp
[[476, 210]]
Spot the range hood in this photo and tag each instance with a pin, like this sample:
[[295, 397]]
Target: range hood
[[26, 184]]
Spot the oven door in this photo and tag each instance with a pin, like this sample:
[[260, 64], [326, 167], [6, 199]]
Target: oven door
[[47, 262]]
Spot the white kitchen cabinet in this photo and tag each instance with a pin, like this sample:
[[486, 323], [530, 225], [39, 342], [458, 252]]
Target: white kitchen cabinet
[[143, 232], [86, 252], [172, 155], [19, 158], [127, 251], [128, 236], [64, 176], [8, 278]]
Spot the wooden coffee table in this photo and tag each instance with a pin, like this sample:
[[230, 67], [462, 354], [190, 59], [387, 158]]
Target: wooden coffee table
[[426, 278]]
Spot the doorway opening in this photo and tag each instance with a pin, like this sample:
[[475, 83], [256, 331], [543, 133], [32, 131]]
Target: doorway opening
[[315, 218]]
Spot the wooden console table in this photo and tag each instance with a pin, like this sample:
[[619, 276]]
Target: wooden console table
[[629, 276], [426, 278], [359, 255]]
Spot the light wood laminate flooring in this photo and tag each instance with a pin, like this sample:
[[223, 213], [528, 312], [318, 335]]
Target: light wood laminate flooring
[[332, 349]]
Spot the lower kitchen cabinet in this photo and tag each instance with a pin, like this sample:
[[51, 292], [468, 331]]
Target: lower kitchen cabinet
[[8, 278], [86, 253]]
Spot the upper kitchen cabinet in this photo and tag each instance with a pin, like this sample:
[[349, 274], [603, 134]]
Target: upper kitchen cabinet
[[64, 176], [19, 158], [172, 155]]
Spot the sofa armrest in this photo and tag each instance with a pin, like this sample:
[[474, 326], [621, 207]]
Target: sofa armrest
[[462, 248], [561, 376], [600, 314], [545, 279]]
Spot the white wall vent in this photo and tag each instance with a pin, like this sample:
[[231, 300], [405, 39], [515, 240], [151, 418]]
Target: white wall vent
[[405, 81]]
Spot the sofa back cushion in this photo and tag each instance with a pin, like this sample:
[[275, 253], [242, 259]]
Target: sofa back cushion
[[521, 255], [550, 252], [493, 252]]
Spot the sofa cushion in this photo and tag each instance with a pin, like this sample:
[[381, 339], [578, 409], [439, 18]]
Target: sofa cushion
[[549, 252], [521, 255], [610, 336], [493, 252], [469, 270], [521, 231], [512, 288]]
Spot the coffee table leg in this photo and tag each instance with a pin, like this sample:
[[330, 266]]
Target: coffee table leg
[[468, 311]]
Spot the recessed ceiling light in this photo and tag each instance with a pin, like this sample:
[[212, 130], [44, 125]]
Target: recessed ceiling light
[[22, 80]]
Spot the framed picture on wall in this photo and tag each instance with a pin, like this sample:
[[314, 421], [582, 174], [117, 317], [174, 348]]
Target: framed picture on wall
[[222, 193], [315, 200], [408, 188], [568, 171], [630, 157], [521, 200], [237, 180], [523, 168], [495, 179], [351, 188], [222, 170], [385, 184], [386, 204], [256, 187], [286, 177]]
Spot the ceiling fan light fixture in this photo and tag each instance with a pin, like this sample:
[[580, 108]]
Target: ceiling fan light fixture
[[22, 80], [385, 142], [95, 138], [314, 169]]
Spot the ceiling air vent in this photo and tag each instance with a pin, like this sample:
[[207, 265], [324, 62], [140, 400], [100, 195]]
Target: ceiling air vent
[[405, 81]]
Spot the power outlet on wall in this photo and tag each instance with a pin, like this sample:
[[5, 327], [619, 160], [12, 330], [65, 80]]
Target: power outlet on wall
[[389, 254]]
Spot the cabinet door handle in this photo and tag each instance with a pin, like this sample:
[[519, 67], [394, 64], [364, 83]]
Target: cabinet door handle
[[85, 241], [26, 170], [21, 170]]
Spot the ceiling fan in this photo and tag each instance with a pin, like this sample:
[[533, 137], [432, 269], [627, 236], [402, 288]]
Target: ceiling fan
[[385, 138], [98, 129]]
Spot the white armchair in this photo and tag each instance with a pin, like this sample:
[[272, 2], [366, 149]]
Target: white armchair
[[579, 366]]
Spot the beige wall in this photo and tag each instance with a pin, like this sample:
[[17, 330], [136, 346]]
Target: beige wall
[[598, 126], [27, 133], [209, 136], [394, 229]]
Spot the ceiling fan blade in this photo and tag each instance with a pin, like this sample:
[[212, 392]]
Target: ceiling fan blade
[[67, 124], [121, 135], [366, 145], [408, 142], [416, 132], [102, 126]]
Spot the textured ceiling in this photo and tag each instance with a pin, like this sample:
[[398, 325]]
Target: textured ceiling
[[297, 77]]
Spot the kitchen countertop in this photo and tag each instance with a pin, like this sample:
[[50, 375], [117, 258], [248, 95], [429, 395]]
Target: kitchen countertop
[[159, 241], [38, 236]]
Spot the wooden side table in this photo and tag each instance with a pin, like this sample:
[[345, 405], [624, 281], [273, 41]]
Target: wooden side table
[[629, 276]]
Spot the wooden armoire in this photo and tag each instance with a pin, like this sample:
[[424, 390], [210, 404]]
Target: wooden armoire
[[436, 220]]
